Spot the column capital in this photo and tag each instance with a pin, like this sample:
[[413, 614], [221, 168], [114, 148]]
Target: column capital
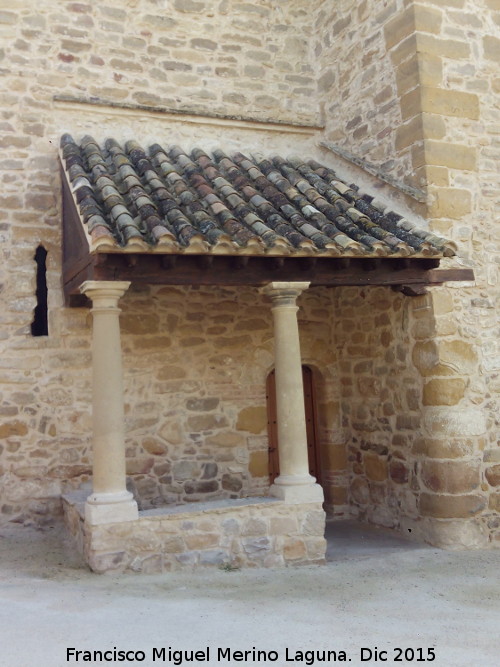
[[284, 293], [105, 293]]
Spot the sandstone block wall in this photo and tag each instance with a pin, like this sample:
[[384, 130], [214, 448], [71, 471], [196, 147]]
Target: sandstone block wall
[[249, 534], [420, 101], [195, 366], [408, 398]]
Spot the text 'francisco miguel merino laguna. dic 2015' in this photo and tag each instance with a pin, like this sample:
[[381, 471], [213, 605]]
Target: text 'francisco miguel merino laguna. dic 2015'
[[222, 655]]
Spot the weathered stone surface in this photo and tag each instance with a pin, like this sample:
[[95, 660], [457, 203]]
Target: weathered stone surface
[[493, 475], [457, 534], [183, 470], [254, 526], [494, 502], [444, 448], [13, 428], [232, 482], [294, 549], [398, 471], [454, 422], [360, 490], [375, 467], [256, 545], [451, 507], [253, 420], [451, 476], [259, 464], [201, 486], [444, 391], [314, 523], [207, 422], [202, 404]]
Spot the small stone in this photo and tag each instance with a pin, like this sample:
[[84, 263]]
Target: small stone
[[214, 557], [493, 475], [8, 429], [183, 470], [294, 549], [398, 472], [209, 470], [259, 545], [254, 526], [314, 523], [201, 486], [375, 467], [231, 482], [202, 404]]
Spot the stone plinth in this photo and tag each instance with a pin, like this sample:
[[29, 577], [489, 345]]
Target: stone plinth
[[251, 532]]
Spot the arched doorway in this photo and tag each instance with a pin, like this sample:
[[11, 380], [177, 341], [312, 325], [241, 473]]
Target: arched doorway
[[311, 425]]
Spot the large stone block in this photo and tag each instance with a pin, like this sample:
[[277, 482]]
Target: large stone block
[[294, 549], [259, 463], [454, 156], [494, 502], [491, 47], [445, 448], [450, 203], [448, 48], [455, 534], [493, 475], [375, 467], [451, 507], [454, 422], [399, 27], [444, 391], [253, 419], [334, 457], [451, 476]]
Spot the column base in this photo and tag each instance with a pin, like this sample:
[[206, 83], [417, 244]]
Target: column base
[[295, 494], [101, 508]]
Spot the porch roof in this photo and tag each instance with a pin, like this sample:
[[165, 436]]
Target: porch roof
[[166, 216]]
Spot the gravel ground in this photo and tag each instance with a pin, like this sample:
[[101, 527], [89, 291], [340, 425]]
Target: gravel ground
[[377, 593]]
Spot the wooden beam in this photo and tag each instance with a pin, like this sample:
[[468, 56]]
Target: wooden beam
[[258, 270]]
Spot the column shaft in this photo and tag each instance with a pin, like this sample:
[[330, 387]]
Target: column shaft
[[110, 501], [294, 483]]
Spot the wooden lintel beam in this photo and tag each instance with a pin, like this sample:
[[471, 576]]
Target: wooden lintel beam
[[308, 263], [369, 264], [256, 270], [205, 261], [168, 262]]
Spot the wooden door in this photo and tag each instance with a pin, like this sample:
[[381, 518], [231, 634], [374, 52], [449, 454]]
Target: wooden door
[[311, 425]]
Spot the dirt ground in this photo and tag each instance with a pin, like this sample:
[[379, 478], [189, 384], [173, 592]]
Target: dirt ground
[[378, 598]]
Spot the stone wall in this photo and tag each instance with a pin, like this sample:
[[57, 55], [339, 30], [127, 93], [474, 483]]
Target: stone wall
[[420, 102], [208, 56], [408, 395], [195, 367], [240, 534], [358, 82]]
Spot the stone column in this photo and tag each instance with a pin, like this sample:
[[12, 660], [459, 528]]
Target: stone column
[[110, 502], [294, 483]]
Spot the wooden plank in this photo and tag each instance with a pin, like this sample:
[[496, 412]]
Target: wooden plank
[[75, 245], [259, 270]]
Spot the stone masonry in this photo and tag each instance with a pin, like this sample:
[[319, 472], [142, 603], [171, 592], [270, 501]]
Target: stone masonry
[[261, 532]]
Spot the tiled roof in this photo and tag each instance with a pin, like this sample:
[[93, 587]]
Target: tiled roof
[[166, 200]]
